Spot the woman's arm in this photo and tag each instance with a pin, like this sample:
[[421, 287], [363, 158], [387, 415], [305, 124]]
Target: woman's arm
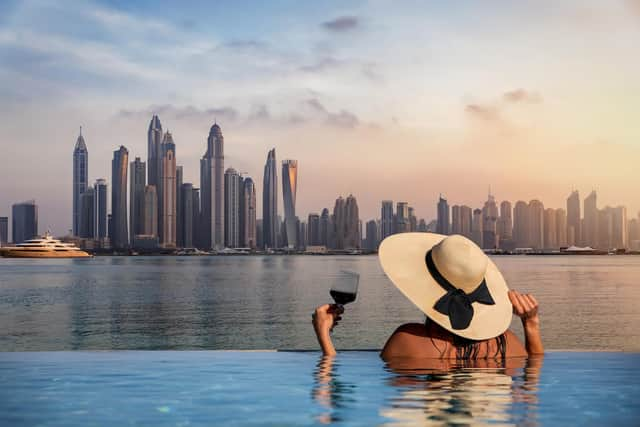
[[325, 318], [525, 306]]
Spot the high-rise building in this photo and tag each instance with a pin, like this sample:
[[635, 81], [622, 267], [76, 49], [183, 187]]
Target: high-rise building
[[521, 224], [212, 190], [476, 227], [154, 152], [422, 225], [574, 220], [326, 228], [289, 189], [387, 219], [550, 229], [270, 202], [136, 198], [536, 224], [402, 217], [232, 195], [590, 230], [413, 221], [346, 223], [150, 224], [371, 242], [456, 220], [168, 198], [561, 228], [101, 197], [80, 178], [4, 230], [505, 222], [197, 219], [119, 169], [87, 214], [249, 207], [24, 221], [619, 228], [605, 228], [634, 233], [179, 206], [490, 223], [443, 216], [186, 213], [313, 230]]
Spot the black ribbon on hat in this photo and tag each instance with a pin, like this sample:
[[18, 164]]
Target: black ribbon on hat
[[456, 303]]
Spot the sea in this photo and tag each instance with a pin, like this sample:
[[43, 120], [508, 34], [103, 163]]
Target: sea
[[266, 302]]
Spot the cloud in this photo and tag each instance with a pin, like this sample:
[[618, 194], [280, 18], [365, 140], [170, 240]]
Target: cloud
[[342, 24], [342, 119], [483, 112], [187, 112], [245, 44], [321, 65], [521, 96]]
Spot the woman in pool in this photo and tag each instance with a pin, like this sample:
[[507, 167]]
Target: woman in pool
[[463, 294]]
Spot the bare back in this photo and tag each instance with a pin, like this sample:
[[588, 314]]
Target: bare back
[[415, 340]]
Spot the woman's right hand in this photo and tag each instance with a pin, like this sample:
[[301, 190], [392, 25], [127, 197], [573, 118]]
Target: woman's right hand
[[525, 306], [326, 317]]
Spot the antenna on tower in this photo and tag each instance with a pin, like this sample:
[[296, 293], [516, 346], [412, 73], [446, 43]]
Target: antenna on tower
[[80, 130]]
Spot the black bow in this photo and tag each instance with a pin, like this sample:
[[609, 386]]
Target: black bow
[[456, 303]]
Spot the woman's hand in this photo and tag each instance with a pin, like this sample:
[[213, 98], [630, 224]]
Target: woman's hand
[[325, 318], [525, 306]]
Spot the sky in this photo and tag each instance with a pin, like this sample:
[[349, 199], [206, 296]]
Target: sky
[[383, 100]]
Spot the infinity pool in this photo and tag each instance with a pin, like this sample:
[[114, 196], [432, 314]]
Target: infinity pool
[[171, 388]]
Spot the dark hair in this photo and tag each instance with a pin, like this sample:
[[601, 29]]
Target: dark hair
[[466, 349]]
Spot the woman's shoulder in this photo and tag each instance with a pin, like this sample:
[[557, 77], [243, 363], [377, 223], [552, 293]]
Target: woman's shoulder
[[410, 340]]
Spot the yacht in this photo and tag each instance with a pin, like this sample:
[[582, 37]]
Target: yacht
[[44, 247]]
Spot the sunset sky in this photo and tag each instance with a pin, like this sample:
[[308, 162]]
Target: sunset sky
[[385, 100]]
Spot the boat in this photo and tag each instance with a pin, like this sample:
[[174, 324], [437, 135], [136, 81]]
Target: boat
[[43, 247]]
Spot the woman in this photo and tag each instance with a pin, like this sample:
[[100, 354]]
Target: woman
[[463, 294]]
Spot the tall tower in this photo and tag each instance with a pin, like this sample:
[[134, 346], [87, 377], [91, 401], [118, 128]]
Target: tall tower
[[536, 224], [87, 214], [119, 165], [150, 226], [179, 206], [249, 214], [590, 230], [574, 229], [270, 202], [167, 217], [136, 199], [154, 142], [402, 217], [505, 223], [521, 224], [443, 216], [232, 203], [101, 197], [24, 221], [80, 178], [186, 211], [386, 219], [489, 223], [212, 190], [289, 188]]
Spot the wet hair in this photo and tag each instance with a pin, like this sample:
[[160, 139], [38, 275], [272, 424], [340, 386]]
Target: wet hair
[[466, 349]]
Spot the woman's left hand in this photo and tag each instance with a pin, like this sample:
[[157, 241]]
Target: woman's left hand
[[326, 317]]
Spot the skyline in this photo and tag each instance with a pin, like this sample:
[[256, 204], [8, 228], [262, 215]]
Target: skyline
[[421, 94]]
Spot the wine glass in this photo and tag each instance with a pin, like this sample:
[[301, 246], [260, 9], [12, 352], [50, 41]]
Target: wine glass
[[345, 287]]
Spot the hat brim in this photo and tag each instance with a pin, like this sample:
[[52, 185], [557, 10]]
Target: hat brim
[[402, 257]]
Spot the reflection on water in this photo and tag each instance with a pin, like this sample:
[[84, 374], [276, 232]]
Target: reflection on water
[[439, 392]]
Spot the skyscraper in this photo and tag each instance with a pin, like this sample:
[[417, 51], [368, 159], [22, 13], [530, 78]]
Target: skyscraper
[[136, 198], [619, 230], [456, 220], [505, 222], [443, 216], [402, 217], [167, 212], [413, 221], [154, 152], [536, 224], [371, 242], [550, 229], [590, 229], [386, 219], [87, 214], [186, 211], [574, 220], [289, 188], [249, 214], [119, 168], [270, 202], [179, 206], [490, 223], [521, 224], [313, 230], [197, 219], [24, 221], [346, 223], [4, 230], [561, 228], [212, 189], [101, 197], [605, 228], [80, 178], [232, 195], [326, 228], [476, 227], [150, 211]]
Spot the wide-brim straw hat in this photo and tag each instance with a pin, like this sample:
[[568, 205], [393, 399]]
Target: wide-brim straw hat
[[451, 280]]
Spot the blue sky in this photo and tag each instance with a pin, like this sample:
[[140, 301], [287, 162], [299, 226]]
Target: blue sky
[[388, 100]]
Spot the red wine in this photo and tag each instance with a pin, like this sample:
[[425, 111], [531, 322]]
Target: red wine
[[341, 297]]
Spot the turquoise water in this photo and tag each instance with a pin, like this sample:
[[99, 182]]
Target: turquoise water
[[265, 302], [204, 388]]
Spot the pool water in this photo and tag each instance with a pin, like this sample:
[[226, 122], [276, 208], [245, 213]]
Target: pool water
[[204, 388]]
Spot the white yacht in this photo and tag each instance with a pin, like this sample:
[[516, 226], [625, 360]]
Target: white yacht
[[44, 247]]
